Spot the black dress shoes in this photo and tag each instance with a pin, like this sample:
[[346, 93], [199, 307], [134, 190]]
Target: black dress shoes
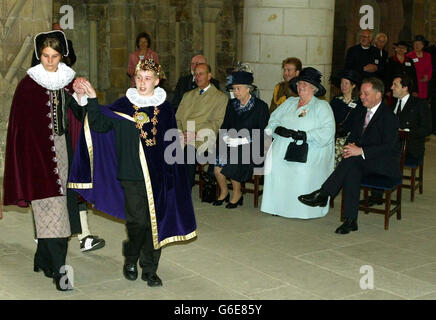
[[152, 279], [347, 226], [231, 205], [315, 199], [220, 202], [130, 271]]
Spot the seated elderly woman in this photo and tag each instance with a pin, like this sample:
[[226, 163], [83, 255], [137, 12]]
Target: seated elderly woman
[[308, 119], [291, 69], [238, 140], [345, 107]]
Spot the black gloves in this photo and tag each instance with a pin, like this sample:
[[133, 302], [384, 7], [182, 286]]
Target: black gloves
[[299, 135], [288, 133], [283, 132]]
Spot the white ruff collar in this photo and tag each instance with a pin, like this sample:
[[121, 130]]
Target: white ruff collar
[[52, 80], [156, 99]]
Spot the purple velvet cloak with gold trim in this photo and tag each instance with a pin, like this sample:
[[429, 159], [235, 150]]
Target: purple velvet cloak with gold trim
[[98, 184]]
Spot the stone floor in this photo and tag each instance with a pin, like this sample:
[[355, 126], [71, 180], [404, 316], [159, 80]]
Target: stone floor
[[246, 254]]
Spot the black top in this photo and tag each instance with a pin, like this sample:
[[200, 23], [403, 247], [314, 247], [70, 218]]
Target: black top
[[344, 114], [381, 61], [244, 122], [127, 134], [357, 58], [395, 67], [185, 84]]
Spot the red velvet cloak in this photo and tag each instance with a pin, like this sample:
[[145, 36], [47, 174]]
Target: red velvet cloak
[[29, 166]]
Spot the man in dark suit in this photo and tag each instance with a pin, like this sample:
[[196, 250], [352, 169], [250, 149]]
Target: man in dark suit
[[187, 83], [415, 116], [380, 42], [372, 148], [363, 56]]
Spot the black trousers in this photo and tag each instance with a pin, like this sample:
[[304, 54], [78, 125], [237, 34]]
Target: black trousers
[[190, 157], [51, 254], [139, 243], [348, 175]]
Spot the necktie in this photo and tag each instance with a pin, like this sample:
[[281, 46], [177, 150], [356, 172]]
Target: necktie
[[367, 118], [201, 92], [399, 108]]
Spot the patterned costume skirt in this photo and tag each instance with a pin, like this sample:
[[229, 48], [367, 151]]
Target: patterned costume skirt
[[51, 214]]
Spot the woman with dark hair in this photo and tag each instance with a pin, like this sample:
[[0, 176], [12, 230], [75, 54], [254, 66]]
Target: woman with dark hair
[[400, 63], [143, 43], [345, 107], [39, 153]]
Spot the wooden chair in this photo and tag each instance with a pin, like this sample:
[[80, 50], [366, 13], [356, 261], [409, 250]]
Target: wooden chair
[[387, 185], [257, 181], [416, 182]]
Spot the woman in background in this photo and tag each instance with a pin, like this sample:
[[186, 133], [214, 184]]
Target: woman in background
[[143, 43]]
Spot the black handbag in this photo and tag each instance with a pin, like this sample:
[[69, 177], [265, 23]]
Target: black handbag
[[297, 152], [209, 187]]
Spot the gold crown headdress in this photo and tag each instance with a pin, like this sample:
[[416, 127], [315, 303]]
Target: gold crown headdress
[[150, 64]]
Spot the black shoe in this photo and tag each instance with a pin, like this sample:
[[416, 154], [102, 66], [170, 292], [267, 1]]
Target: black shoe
[[372, 201], [130, 271], [314, 199], [347, 226], [152, 279], [48, 272], [220, 202], [231, 205], [62, 282]]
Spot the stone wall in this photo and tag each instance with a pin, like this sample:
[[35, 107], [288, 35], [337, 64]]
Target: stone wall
[[20, 20], [119, 21], [277, 29]]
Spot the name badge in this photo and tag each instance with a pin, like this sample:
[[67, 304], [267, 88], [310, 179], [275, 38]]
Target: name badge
[[352, 105], [415, 60], [408, 64], [376, 61]]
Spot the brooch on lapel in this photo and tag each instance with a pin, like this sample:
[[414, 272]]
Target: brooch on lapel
[[303, 113]]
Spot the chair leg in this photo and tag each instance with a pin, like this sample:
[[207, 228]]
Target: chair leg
[[342, 205], [387, 208], [412, 184], [256, 191], [365, 197], [399, 195], [421, 178]]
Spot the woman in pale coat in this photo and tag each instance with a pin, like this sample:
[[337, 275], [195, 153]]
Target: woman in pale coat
[[305, 118]]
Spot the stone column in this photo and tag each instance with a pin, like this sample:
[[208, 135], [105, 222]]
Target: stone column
[[277, 29], [118, 57], [209, 12], [20, 21]]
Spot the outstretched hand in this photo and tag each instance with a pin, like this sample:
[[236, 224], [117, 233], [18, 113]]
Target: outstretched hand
[[84, 86]]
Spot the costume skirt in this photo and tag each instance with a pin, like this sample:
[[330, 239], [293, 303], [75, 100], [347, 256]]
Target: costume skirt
[[51, 214]]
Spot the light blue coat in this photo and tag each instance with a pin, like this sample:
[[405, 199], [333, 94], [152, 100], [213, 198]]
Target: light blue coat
[[284, 180]]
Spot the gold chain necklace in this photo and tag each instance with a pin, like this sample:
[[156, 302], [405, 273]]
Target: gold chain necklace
[[142, 118]]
